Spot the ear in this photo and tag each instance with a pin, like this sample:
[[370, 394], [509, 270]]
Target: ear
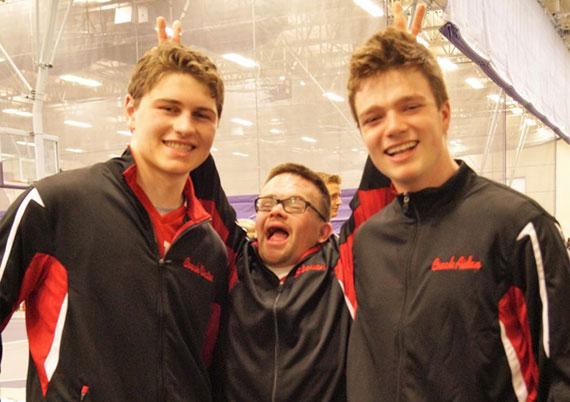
[[445, 112], [325, 232], [130, 109]]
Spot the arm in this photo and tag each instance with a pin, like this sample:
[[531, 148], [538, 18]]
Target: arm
[[373, 194], [208, 189], [540, 266]]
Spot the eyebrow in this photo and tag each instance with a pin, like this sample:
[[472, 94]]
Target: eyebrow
[[177, 102]]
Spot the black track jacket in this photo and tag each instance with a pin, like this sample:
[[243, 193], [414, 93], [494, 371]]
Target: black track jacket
[[286, 340], [107, 318], [464, 296]]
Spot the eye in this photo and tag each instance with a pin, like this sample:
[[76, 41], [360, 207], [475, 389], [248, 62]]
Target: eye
[[410, 107], [372, 119], [203, 116], [168, 108]]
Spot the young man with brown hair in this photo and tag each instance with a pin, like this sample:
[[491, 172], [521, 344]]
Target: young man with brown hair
[[462, 283], [333, 182], [121, 270]]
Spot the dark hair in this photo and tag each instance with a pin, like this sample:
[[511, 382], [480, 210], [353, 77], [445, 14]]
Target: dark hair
[[309, 175], [392, 49], [169, 58]]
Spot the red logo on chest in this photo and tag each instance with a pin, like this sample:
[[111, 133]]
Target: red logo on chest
[[305, 268], [461, 263], [198, 269]]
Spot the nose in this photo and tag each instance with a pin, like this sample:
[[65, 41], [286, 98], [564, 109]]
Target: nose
[[184, 125], [395, 123], [277, 210]]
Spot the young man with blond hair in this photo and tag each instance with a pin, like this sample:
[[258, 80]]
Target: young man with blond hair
[[462, 284], [122, 273], [333, 182]]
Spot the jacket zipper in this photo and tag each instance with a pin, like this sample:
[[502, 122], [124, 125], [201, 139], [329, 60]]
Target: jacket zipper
[[276, 350], [406, 208]]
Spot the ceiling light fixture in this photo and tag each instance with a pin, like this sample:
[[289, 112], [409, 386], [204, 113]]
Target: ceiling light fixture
[[75, 150], [241, 154], [242, 122], [80, 80], [422, 41], [309, 139], [126, 133], [370, 7], [333, 97], [17, 112], [474, 82], [516, 110], [75, 123], [26, 143], [241, 60], [446, 64], [494, 97]]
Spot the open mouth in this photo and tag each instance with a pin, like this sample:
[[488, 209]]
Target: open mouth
[[179, 146], [398, 149], [277, 233]]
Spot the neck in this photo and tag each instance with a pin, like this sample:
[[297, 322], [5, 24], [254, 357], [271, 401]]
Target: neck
[[163, 191]]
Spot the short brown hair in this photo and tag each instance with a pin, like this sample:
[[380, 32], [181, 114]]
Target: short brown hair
[[392, 49], [169, 58], [330, 178], [309, 175]]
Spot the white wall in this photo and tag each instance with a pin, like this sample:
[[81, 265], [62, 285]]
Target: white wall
[[562, 209]]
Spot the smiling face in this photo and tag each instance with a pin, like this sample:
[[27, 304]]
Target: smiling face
[[283, 237], [404, 129], [173, 127]]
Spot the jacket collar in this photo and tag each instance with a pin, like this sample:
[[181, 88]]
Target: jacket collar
[[435, 200]]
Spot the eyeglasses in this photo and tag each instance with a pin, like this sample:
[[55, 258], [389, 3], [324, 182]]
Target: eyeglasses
[[293, 205]]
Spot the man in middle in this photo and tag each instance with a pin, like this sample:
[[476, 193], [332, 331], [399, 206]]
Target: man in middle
[[286, 330]]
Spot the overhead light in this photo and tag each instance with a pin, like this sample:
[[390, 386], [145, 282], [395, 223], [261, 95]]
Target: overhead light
[[494, 97], [241, 154], [17, 112], [282, 78], [370, 7], [355, 150], [333, 97], [309, 139], [6, 156], [26, 143], [123, 14], [241, 60], [474, 82], [126, 133], [214, 149], [75, 150], [275, 131], [302, 83], [420, 39], [75, 123], [242, 122], [80, 80], [530, 122], [446, 64], [516, 110]]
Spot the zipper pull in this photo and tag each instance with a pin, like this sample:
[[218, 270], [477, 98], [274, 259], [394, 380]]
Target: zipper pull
[[406, 202], [84, 392]]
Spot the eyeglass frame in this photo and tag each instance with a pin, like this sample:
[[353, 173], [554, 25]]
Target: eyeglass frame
[[282, 202]]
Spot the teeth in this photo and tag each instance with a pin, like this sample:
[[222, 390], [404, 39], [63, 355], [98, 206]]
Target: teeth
[[401, 148], [178, 145]]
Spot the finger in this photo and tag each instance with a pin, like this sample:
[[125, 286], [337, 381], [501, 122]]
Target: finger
[[399, 19], [176, 31], [418, 18], [161, 35]]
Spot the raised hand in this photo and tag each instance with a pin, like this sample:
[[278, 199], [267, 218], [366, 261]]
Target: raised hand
[[400, 19], [161, 34]]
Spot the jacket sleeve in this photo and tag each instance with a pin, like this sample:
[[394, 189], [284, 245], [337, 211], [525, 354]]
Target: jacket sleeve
[[374, 193], [541, 270], [25, 250], [208, 189]]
